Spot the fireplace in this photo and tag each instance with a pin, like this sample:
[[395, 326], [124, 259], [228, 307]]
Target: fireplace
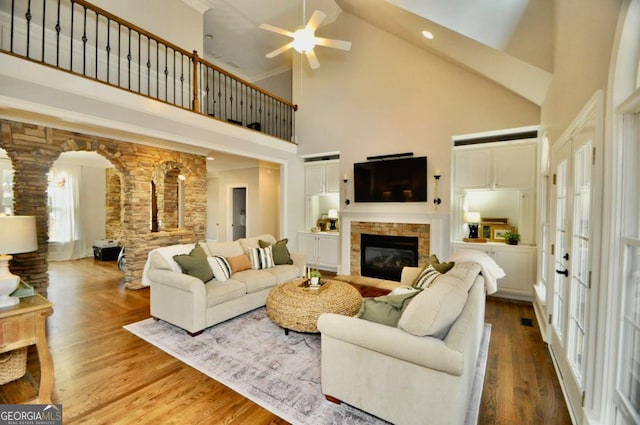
[[384, 256]]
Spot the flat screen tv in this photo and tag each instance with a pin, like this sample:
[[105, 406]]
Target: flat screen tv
[[392, 180]]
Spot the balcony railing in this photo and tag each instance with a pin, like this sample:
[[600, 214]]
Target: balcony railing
[[78, 37]]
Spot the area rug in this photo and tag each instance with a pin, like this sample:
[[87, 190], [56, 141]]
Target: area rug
[[252, 356]]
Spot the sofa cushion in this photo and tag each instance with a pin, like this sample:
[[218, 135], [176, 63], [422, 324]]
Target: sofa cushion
[[195, 264], [261, 258], [284, 272], [162, 258], [281, 254], [255, 280], [441, 267], [220, 267], [433, 311], [225, 249], [219, 292], [386, 309], [239, 263], [426, 278], [254, 242], [465, 271]]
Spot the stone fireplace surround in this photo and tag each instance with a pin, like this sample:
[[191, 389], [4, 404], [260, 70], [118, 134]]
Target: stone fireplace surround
[[432, 230]]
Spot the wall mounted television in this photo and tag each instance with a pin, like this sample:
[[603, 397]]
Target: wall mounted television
[[392, 180]]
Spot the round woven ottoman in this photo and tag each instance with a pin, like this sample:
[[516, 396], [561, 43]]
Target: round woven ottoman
[[294, 307]]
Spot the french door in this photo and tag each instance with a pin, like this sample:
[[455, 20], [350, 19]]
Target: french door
[[573, 259]]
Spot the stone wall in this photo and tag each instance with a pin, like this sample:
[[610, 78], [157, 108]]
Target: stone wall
[[421, 231], [33, 149]]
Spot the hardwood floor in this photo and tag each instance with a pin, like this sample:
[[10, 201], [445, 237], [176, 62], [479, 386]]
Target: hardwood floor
[[106, 375]]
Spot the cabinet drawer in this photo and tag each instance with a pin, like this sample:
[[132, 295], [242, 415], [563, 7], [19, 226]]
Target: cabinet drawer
[[17, 331]]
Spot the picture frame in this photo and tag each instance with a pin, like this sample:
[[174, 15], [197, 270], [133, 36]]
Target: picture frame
[[498, 231]]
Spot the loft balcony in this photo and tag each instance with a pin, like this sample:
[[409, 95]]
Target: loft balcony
[[84, 40]]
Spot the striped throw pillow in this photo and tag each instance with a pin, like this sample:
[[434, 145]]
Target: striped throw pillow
[[261, 258], [426, 278], [220, 267]]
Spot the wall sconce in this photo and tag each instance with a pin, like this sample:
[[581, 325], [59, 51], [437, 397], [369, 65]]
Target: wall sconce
[[437, 199], [344, 188]]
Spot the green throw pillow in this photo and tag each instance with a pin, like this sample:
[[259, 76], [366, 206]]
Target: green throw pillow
[[440, 267], [387, 309], [279, 251], [195, 264]]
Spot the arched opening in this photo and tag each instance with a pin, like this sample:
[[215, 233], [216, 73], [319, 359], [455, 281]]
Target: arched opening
[[77, 180], [167, 198]]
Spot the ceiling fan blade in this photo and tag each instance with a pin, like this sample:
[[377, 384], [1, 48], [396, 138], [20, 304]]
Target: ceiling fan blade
[[336, 44], [313, 59], [276, 30], [280, 50], [315, 20]]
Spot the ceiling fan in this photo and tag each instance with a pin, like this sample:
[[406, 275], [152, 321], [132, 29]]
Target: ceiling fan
[[304, 39]]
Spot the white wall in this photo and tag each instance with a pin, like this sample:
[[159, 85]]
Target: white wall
[[386, 96], [93, 201], [279, 84], [213, 212], [172, 20]]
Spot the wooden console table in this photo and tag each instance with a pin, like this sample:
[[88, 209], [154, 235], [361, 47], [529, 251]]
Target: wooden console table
[[25, 324]]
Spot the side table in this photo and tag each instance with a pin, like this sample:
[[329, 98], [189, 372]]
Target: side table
[[24, 324]]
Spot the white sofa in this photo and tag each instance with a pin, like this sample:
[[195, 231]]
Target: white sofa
[[194, 305], [398, 376]]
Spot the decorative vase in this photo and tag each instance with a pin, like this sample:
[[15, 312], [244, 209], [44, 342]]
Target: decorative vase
[[512, 242], [315, 281]]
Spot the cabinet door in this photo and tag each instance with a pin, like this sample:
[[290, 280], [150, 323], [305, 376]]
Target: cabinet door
[[332, 177], [515, 166], [314, 180], [328, 252], [473, 169], [307, 245], [519, 269]]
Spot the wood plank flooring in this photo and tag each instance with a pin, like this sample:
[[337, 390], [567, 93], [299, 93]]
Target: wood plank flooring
[[106, 375]]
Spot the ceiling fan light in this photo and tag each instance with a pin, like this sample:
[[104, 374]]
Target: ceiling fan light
[[304, 40]]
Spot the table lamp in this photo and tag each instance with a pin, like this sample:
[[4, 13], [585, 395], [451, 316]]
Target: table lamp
[[333, 217], [17, 235], [473, 220]]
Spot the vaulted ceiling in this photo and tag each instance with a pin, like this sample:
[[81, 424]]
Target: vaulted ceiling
[[507, 41]]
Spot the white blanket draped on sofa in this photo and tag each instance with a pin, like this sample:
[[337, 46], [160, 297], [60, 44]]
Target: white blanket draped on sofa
[[491, 271]]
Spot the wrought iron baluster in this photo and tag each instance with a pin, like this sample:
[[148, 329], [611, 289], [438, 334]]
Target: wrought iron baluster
[[166, 74], [13, 14], [44, 25], [96, 43], [28, 18], [129, 59], [158, 70], [181, 79], [58, 29], [119, 50], [84, 43], [139, 63], [148, 66], [71, 37], [108, 48]]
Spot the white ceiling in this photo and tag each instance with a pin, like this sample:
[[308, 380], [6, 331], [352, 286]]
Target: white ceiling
[[473, 33]]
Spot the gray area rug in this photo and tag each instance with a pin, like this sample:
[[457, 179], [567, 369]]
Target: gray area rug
[[252, 356]]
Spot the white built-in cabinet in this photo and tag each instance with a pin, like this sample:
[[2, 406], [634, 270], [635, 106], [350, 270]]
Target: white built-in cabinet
[[322, 177], [320, 249], [491, 167], [499, 180], [518, 263]]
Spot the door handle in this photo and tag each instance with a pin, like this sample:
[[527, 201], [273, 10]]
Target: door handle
[[566, 256], [565, 272]]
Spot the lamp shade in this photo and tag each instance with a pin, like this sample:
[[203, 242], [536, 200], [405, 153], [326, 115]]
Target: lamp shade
[[18, 234], [472, 217], [332, 214]]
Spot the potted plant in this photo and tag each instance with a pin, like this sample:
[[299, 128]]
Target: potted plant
[[314, 277], [511, 237]]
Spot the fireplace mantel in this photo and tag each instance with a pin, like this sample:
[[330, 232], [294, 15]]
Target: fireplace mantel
[[438, 222]]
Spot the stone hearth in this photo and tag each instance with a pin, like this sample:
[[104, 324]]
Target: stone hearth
[[432, 229]]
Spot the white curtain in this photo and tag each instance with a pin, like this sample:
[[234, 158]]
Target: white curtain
[[66, 239]]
